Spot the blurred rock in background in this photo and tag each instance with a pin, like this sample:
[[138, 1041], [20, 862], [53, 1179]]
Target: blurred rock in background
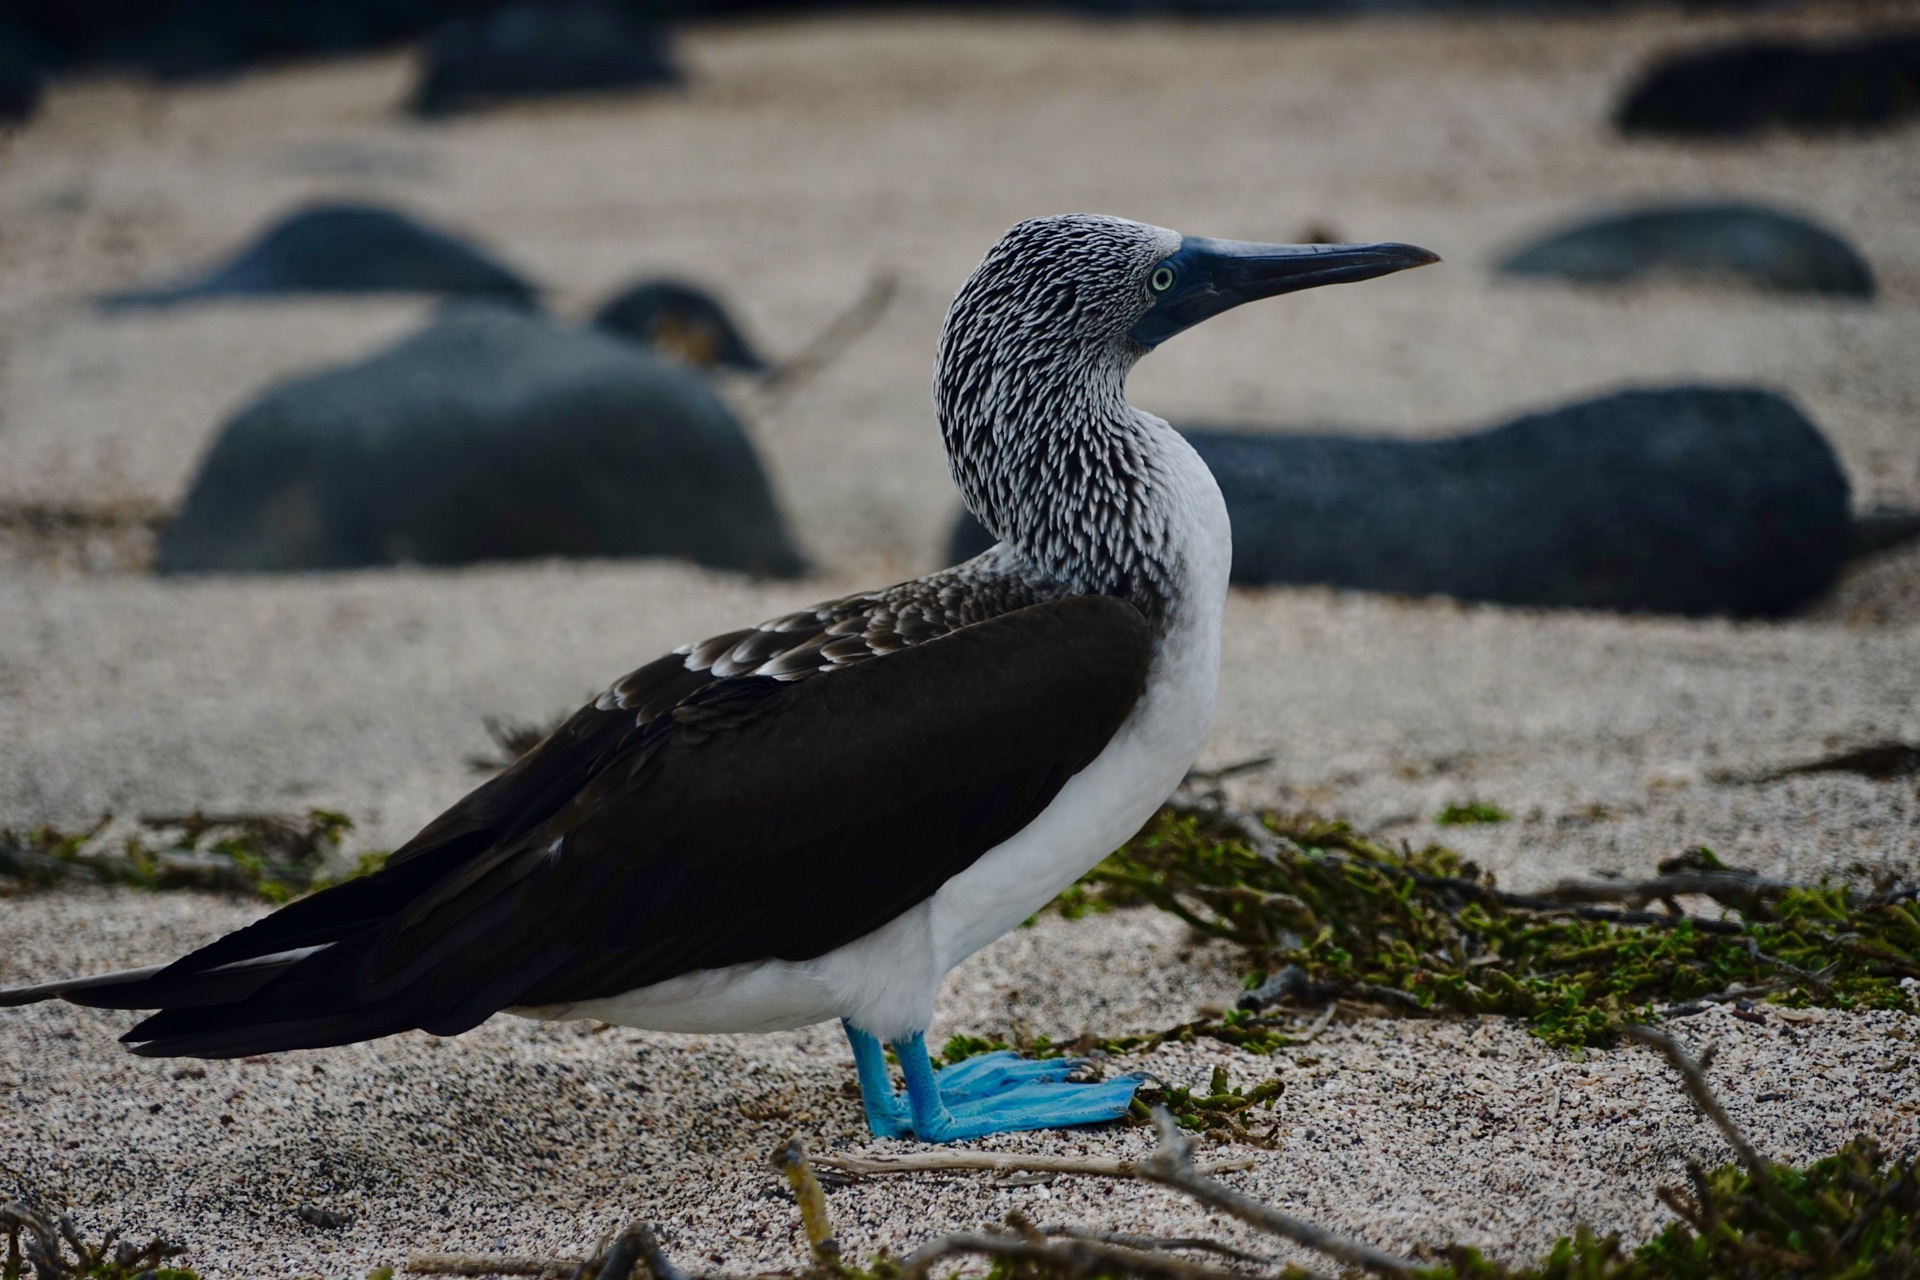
[[348, 248], [489, 435], [538, 50], [1714, 241], [680, 320], [1686, 500], [1742, 87], [25, 63], [188, 39]]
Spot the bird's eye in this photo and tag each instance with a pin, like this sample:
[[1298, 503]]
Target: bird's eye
[[1162, 279]]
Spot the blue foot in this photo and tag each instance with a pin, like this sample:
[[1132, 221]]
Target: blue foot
[[992, 1093]]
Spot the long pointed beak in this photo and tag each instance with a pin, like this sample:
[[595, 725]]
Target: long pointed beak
[[1210, 276]]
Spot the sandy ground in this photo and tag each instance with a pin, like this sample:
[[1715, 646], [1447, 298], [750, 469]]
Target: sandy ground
[[535, 1138], [803, 160]]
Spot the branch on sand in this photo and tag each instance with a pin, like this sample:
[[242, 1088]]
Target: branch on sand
[[992, 1162], [1068, 1251], [1758, 1167], [632, 1252], [43, 1240]]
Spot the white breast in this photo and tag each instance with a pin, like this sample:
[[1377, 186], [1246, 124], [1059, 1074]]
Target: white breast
[[886, 980]]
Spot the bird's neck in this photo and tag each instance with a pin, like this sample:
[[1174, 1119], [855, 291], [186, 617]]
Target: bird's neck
[[1088, 491]]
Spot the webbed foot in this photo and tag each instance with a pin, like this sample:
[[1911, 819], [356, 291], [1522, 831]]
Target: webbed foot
[[993, 1093]]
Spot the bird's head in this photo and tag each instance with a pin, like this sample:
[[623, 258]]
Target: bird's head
[[1030, 377], [1098, 292]]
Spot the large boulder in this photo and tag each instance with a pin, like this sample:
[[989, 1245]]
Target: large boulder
[[348, 248], [489, 435], [1689, 500], [539, 50], [680, 320], [1720, 241], [24, 64], [1729, 90]]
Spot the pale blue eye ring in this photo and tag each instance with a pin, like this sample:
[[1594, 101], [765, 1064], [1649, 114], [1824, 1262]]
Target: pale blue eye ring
[[1162, 279]]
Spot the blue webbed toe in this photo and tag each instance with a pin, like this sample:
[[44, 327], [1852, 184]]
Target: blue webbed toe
[[991, 1074], [1047, 1105], [992, 1093]]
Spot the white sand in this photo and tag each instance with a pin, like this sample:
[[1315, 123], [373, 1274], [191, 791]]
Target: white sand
[[804, 159]]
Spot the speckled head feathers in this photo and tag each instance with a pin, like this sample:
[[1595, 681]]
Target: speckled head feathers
[[1029, 387]]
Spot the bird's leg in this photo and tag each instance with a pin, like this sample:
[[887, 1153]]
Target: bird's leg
[[1001, 1093], [886, 1110]]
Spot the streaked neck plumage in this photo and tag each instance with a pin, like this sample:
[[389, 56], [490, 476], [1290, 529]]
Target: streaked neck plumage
[[1050, 456]]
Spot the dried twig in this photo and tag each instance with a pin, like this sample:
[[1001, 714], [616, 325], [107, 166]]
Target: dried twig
[[656, 1259], [620, 1258], [617, 1260], [1759, 1168], [1074, 1257], [471, 1264], [1196, 1244], [42, 1248], [828, 344], [1225, 771], [1733, 887], [1312, 1033], [988, 1162], [1267, 844], [791, 1160], [1171, 1165], [1247, 825]]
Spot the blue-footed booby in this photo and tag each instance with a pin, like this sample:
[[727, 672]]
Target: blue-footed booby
[[820, 816]]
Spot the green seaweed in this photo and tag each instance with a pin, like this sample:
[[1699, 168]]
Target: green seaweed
[[1865, 1212], [275, 857], [1465, 815], [1426, 932]]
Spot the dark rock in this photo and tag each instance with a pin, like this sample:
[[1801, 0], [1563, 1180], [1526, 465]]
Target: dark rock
[[1734, 89], [1745, 243], [1882, 529], [1689, 500], [24, 63], [191, 39], [489, 435], [679, 320], [346, 248], [537, 50]]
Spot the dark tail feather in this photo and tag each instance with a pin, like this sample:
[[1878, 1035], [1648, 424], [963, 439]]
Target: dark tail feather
[[159, 986], [307, 1002], [211, 1039], [100, 992]]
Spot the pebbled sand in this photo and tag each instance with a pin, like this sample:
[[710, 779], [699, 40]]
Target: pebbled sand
[[805, 158], [535, 1138]]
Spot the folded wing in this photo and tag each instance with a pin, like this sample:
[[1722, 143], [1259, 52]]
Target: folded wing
[[710, 821]]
